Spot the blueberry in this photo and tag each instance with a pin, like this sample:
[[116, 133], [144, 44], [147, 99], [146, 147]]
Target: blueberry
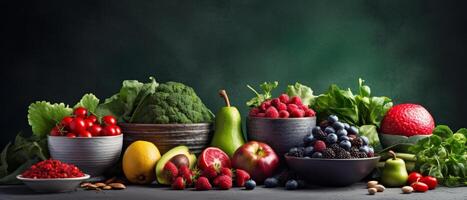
[[291, 184], [331, 138], [371, 150], [353, 130], [271, 182], [317, 155], [342, 138], [346, 126], [341, 132], [332, 119], [364, 149], [345, 144], [329, 130], [338, 125], [316, 130], [365, 140], [309, 151], [308, 139], [250, 184]]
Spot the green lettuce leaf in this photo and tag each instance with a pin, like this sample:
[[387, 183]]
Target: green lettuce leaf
[[267, 88], [89, 101], [304, 92], [370, 131], [337, 102], [43, 116]]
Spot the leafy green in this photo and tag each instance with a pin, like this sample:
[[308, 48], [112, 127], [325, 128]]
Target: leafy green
[[361, 109], [267, 88], [123, 104], [443, 155], [89, 101], [371, 132], [304, 92], [172, 102], [43, 116]]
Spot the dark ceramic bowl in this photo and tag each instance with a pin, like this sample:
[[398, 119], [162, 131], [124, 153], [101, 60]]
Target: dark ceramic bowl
[[332, 172], [167, 136], [279, 133]]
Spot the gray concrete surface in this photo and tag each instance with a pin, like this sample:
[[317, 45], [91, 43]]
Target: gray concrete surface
[[356, 191]]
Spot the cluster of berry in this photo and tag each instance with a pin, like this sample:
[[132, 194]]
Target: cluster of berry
[[52, 169], [282, 107]]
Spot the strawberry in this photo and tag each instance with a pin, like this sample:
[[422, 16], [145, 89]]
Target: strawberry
[[241, 177], [178, 183], [170, 170], [210, 172], [407, 120], [186, 173], [203, 184], [226, 171], [319, 146], [223, 182]]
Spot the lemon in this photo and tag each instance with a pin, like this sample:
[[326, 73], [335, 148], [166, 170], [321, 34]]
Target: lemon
[[139, 161]]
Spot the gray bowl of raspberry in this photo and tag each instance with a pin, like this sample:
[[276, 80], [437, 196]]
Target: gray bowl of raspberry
[[53, 185], [332, 172], [279, 133]]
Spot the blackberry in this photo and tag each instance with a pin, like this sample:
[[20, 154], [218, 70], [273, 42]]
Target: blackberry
[[354, 152], [329, 153], [356, 142], [320, 135], [334, 146], [362, 155], [343, 154]]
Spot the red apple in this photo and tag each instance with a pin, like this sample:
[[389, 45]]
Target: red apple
[[257, 158]]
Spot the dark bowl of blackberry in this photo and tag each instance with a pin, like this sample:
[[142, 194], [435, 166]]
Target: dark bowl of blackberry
[[334, 154]]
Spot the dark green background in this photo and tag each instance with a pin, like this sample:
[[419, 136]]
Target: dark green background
[[411, 51]]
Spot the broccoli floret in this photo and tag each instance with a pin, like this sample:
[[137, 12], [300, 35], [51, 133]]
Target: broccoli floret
[[173, 102]]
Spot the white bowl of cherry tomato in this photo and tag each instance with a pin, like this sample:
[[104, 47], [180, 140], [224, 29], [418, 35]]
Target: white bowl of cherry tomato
[[94, 145]]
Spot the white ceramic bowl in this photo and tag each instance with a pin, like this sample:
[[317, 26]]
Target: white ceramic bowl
[[92, 155], [53, 185]]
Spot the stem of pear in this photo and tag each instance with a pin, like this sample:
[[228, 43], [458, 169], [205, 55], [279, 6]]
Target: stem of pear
[[223, 94], [392, 154]]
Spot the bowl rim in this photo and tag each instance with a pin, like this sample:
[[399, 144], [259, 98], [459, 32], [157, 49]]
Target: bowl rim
[[268, 118], [86, 138], [164, 125], [20, 177], [329, 159]]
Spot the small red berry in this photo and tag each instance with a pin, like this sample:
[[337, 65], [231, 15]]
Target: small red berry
[[265, 105], [281, 106], [319, 146], [253, 112], [296, 100], [310, 113], [284, 114], [272, 112], [284, 98], [297, 113]]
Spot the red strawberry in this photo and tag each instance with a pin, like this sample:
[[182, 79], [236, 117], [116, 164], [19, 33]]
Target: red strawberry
[[203, 184], [319, 146], [272, 112], [226, 171], [284, 114], [310, 113], [186, 173], [223, 182], [407, 120], [253, 112], [296, 100], [210, 172], [241, 177], [170, 170], [284, 98], [178, 183]]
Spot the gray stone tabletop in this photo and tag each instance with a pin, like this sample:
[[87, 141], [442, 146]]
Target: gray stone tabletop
[[356, 191]]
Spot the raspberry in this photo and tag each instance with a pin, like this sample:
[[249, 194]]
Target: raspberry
[[261, 115], [297, 113], [310, 113], [303, 107], [170, 170], [203, 184], [226, 171], [272, 112], [275, 102], [281, 106], [319, 146], [291, 107], [284, 114], [223, 182], [296, 100], [284, 98], [241, 177], [265, 105], [210, 172], [178, 183], [253, 112]]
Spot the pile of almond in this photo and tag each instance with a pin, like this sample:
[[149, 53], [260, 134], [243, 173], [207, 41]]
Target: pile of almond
[[110, 184]]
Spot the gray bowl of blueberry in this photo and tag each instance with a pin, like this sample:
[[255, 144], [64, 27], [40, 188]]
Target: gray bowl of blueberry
[[333, 155]]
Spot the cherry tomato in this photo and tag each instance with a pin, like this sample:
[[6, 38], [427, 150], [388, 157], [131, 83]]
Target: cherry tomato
[[66, 121], [431, 181], [109, 120], [71, 135], [55, 131], [85, 134], [88, 123], [414, 177], [419, 186], [95, 130], [109, 131], [118, 131], [77, 125], [81, 112], [93, 118]]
